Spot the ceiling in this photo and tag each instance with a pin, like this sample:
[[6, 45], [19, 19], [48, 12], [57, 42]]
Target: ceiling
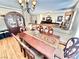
[[10, 3], [53, 5], [42, 5]]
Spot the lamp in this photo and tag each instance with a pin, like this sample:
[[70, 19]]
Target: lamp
[[27, 4]]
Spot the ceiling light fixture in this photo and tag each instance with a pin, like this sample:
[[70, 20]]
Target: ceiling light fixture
[[27, 4]]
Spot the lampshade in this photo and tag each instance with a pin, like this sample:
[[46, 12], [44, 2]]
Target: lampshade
[[20, 1], [27, 1], [33, 2]]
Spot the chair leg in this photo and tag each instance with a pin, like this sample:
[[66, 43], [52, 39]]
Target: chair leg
[[21, 48], [57, 57], [45, 57], [30, 57], [24, 52]]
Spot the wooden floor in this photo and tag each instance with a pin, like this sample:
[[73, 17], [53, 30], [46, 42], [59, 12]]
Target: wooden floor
[[9, 49]]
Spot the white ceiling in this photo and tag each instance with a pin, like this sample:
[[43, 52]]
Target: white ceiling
[[10, 3], [42, 5], [53, 5]]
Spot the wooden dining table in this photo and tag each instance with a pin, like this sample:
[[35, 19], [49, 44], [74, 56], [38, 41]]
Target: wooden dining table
[[45, 44]]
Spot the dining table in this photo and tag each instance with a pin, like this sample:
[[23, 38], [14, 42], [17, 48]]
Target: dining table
[[45, 44]]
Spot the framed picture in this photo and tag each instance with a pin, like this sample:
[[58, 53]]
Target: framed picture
[[59, 18]]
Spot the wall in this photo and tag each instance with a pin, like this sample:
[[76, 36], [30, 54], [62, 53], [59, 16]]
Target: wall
[[26, 16], [76, 23], [53, 15], [33, 18]]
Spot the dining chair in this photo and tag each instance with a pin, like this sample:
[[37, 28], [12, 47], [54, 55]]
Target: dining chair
[[70, 51], [1, 35], [7, 34]]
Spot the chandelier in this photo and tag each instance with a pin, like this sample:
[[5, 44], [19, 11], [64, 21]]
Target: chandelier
[[27, 4]]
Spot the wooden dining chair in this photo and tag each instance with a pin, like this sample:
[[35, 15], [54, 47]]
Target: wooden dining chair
[[71, 49]]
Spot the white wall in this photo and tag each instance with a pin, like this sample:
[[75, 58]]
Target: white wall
[[27, 18], [76, 23], [77, 32], [33, 18], [53, 15]]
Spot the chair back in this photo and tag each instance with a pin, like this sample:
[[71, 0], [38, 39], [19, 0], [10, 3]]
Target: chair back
[[14, 21], [71, 47]]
